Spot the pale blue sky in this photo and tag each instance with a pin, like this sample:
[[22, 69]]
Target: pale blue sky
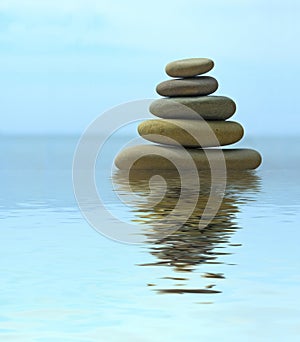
[[64, 62]]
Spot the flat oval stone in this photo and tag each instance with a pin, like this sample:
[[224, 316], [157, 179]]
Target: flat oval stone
[[203, 85], [208, 107], [189, 67], [155, 157], [191, 133]]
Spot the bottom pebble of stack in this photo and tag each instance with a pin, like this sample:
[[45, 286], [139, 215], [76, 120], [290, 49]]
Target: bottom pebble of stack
[[156, 157]]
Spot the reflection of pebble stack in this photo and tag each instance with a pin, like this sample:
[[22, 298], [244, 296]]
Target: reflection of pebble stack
[[186, 111]]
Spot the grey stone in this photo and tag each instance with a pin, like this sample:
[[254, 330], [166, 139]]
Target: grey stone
[[191, 133], [208, 107], [203, 85], [189, 67], [154, 157]]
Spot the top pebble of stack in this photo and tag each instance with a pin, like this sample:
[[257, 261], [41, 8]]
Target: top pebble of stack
[[189, 67]]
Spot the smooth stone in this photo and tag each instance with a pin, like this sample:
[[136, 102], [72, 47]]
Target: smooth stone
[[208, 107], [203, 85], [182, 131], [189, 67], [150, 157]]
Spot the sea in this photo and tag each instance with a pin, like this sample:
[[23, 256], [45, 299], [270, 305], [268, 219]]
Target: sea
[[66, 278]]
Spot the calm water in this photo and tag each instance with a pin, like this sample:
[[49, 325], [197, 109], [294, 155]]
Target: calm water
[[237, 280]]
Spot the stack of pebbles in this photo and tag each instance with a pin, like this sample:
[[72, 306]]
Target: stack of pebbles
[[187, 111]]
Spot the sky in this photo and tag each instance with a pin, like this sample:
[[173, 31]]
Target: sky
[[63, 63]]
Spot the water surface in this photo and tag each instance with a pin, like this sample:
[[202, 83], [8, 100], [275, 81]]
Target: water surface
[[61, 280]]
